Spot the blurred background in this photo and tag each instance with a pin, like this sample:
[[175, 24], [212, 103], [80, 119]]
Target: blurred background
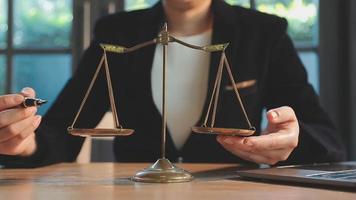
[[45, 38]]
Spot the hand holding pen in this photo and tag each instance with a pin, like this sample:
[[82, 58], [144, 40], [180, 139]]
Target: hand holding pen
[[18, 122]]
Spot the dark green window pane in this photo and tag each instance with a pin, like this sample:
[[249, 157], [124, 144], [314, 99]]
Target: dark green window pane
[[138, 4], [2, 74], [244, 3], [311, 63], [3, 23], [47, 74], [302, 16], [42, 23]]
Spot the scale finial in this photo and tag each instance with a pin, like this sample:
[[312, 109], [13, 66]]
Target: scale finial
[[165, 26], [163, 37]]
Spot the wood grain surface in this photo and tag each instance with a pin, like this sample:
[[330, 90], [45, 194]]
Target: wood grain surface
[[112, 181]]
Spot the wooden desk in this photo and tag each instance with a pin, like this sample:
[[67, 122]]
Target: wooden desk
[[111, 181]]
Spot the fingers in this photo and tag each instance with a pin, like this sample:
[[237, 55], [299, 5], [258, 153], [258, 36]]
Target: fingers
[[275, 156], [270, 157], [17, 125], [248, 155], [32, 127], [22, 128], [275, 144], [17, 146], [282, 119], [266, 149], [281, 115], [10, 116], [10, 101], [13, 100], [237, 142], [238, 147], [28, 92], [28, 147], [22, 143], [268, 142], [273, 141]]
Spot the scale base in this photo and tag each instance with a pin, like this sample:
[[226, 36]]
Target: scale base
[[162, 171]]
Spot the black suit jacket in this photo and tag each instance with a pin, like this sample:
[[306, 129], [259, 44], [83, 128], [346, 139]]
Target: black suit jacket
[[259, 49]]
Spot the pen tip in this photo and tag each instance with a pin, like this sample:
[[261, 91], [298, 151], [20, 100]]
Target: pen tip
[[41, 101]]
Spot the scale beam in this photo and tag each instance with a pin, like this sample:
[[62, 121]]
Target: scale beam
[[163, 171]]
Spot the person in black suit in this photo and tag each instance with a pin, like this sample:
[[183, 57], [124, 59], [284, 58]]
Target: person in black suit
[[298, 131]]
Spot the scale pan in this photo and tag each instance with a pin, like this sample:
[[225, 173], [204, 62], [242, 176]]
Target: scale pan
[[223, 131], [99, 132]]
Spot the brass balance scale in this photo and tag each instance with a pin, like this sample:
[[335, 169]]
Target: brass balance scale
[[163, 171]]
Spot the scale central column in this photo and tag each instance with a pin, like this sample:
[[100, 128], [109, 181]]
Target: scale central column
[[164, 115], [163, 171]]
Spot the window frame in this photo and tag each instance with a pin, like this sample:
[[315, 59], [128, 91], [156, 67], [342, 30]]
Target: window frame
[[312, 47], [10, 51]]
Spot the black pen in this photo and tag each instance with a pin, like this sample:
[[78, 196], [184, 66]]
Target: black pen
[[29, 102]]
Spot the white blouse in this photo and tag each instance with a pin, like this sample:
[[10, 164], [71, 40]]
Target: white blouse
[[186, 82]]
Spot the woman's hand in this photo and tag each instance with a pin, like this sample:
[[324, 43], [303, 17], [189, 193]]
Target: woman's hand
[[273, 145], [17, 124]]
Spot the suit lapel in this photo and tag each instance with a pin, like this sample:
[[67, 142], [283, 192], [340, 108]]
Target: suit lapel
[[223, 32], [141, 60]]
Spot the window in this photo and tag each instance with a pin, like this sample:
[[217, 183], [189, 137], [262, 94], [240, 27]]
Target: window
[[35, 43], [3, 31], [3, 25], [138, 4], [47, 73], [2, 74], [244, 3], [302, 16]]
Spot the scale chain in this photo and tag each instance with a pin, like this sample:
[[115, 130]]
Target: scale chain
[[216, 100], [213, 92], [236, 91], [111, 93], [88, 91]]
